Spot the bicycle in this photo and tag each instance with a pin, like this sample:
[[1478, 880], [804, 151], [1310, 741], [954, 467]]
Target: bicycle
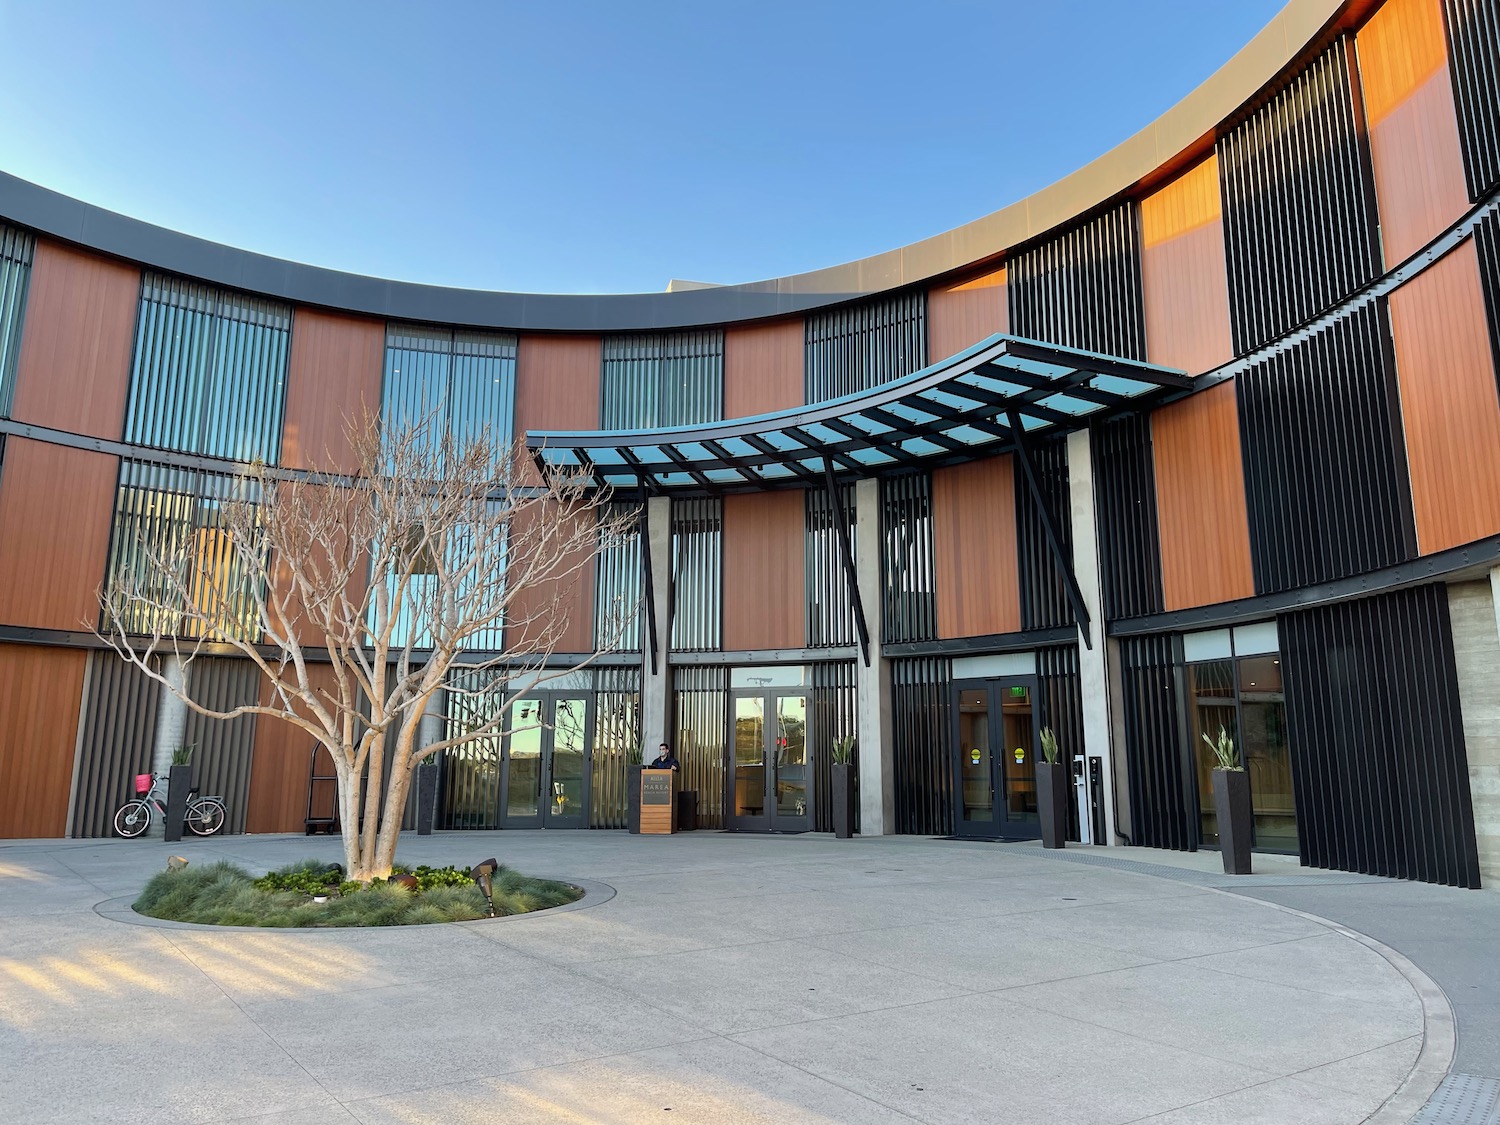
[[204, 816]]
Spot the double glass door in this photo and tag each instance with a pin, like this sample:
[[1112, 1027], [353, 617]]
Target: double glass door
[[546, 782], [996, 742], [771, 789]]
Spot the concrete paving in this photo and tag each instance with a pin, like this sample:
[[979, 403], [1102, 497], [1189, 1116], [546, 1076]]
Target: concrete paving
[[748, 979]]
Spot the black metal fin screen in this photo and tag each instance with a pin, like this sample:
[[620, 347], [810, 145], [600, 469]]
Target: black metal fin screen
[[1163, 809], [857, 347], [1325, 464], [1379, 766], [116, 742], [1061, 708], [617, 731], [833, 706], [920, 717], [1125, 506], [907, 570], [1474, 66], [830, 609], [1044, 591], [1299, 210], [1082, 288]]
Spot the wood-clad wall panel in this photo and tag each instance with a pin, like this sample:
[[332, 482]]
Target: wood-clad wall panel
[[1414, 144], [56, 507], [1200, 500], [975, 564], [1184, 282], [557, 383], [280, 766], [965, 312], [764, 573], [763, 368], [41, 690], [538, 609], [333, 387], [74, 366], [1448, 402]]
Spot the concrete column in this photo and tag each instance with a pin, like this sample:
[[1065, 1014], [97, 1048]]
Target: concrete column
[[171, 723], [877, 764], [1093, 664], [433, 725], [656, 689]]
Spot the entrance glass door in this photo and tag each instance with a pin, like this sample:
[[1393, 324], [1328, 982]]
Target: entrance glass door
[[547, 762], [996, 741], [769, 763]]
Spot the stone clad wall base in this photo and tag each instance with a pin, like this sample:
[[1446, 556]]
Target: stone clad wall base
[[1476, 650]]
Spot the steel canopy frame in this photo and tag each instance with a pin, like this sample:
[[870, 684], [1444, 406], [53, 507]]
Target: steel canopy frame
[[968, 406]]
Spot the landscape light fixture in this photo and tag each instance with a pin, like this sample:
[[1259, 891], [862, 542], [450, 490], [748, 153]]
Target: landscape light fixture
[[483, 873], [176, 863]]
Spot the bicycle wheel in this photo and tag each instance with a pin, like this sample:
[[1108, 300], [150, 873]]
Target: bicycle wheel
[[132, 818], [204, 818]]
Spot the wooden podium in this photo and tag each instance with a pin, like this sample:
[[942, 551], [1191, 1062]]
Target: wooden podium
[[658, 802]]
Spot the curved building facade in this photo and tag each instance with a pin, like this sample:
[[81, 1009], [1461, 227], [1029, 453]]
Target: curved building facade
[[1206, 434]]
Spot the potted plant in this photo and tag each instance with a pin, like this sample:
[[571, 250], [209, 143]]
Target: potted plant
[[1052, 793], [180, 781], [845, 787], [634, 759], [427, 787], [1231, 804]]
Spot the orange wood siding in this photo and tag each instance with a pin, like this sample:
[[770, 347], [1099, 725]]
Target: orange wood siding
[[41, 690], [74, 367], [571, 597], [763, 368], [1414, 145], [56, 507], [765, 590], [1200, 500], [965, 312], [334, 378], [974, 548], [557, 383], [279, 770], [1448, 402], [1184, 280]]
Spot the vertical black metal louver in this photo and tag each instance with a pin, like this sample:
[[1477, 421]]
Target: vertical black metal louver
[[1061, 707], [222, 750], [700, 695], [1125, 506], [617, 731], [1163, 809], [907, 567], [830, 611], [1379, 766], [618, 587], [470, 780], [465, 382], [697, 574], [857, 347], [1325, 465], [923, 772], [115, 744], [1299, 207], [17, 248], [1044, 591], [833, 706], [1082, 289], [1487, 248], [655, 379], [1474, 67]]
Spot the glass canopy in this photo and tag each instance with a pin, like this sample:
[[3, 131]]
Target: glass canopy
[[960, 409]]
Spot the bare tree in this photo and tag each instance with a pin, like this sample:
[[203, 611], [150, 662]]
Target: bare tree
[[439, 566]]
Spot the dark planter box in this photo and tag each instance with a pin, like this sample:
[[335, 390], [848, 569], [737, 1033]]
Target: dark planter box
[[633, 798], [179, 784], [1052, 794], [845, 793], [1236, 821], [427, 786]]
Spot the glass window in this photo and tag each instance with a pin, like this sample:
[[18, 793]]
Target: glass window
[[654, 380], [618, 588], [697, 573], [464, 381], [1243, 696], [16, 248], [209, 371], [856, 347]]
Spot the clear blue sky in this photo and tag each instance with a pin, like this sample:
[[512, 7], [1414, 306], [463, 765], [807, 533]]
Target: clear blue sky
[[585, 146]]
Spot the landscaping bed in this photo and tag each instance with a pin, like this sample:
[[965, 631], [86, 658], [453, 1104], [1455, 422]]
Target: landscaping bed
[[222, 894]]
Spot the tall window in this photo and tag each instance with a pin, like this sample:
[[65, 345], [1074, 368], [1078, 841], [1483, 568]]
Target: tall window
[[209, 374], [167, 513], [697, 574], [857, 347], [465, 380], [15, 271], [1234, 684], [660, 379]]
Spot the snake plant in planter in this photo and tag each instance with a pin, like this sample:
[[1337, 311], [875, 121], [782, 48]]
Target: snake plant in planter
[[1231, 804], [1052, 792], [845, 787]]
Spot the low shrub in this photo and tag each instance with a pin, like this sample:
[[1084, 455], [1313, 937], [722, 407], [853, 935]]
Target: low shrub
[[222, 894]]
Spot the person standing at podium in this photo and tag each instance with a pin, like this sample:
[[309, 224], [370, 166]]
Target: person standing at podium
[[665, 759]]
